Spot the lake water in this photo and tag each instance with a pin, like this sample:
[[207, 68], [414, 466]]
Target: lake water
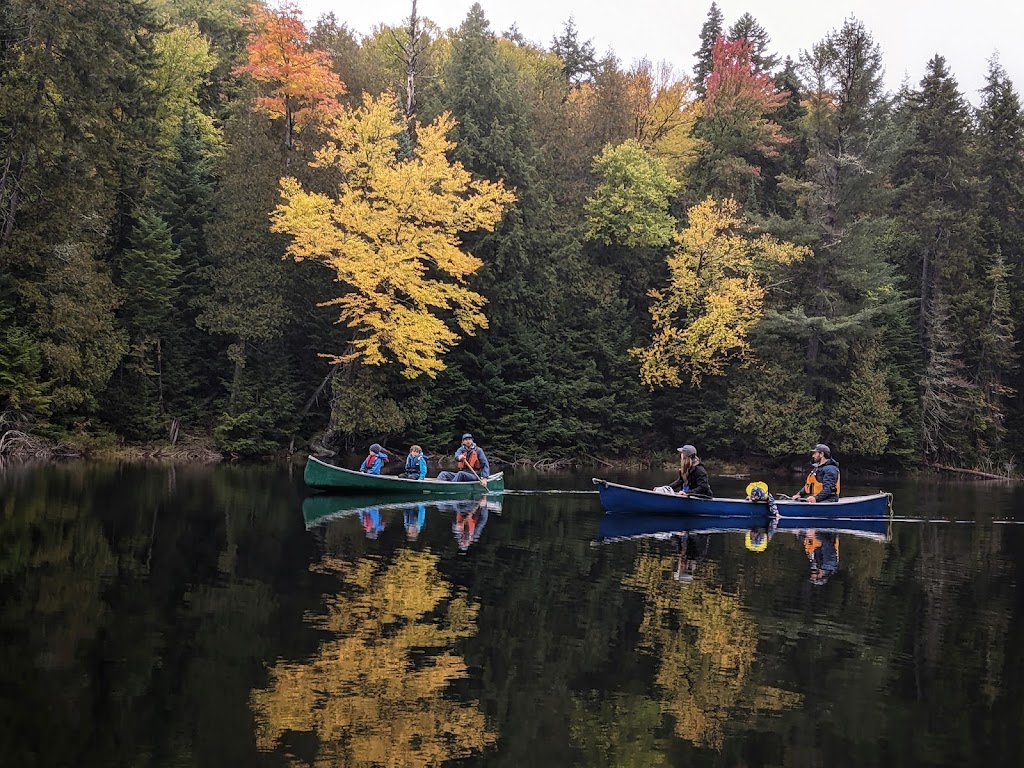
[[207, 616]]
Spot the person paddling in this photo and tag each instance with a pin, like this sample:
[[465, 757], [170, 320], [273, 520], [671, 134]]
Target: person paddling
[[822, 484], [473, 464]]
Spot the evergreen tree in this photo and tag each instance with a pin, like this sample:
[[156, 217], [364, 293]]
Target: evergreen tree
[[937, 203], [245, 301], [147, 273], [75, 115], [936, 196], [779, 196], [579, 60], [1000, 159], [747, 28], [709, 34], [844, 76]]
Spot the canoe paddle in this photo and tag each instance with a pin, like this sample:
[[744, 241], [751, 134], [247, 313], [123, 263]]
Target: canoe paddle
[[484, 484]]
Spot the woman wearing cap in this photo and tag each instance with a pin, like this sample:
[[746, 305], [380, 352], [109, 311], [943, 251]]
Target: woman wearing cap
[[693, 478], [374, 461], [822, 482]]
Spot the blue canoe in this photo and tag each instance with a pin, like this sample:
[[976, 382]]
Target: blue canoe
[[625, 499], [621, 527]]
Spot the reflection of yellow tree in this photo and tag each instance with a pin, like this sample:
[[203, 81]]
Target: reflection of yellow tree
[[375, 694], [706, 643]]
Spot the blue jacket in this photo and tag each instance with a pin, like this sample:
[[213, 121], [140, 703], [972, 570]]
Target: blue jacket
[[372, 465], [416, 464]]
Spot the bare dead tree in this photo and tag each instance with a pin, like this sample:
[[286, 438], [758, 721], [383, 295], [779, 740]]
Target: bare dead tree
[[411, 50]]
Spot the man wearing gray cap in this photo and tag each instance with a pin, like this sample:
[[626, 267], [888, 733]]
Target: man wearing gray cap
[[473, 464], [822, 482]]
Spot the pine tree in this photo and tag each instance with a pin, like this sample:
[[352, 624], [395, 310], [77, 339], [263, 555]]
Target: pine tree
[[937, 203], [936, 197], [579, 60], [709, 34], [75, 117], [1001, 170], [747, 28], [147, 273], [844, 76]]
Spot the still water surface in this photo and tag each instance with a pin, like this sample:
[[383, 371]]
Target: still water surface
[[208, 616]]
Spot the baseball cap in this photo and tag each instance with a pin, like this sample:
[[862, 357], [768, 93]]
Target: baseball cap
[[688, 449], [467, 435]]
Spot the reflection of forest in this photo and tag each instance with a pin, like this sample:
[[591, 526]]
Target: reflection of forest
[[705, 641], [374, 694], [145, 613]]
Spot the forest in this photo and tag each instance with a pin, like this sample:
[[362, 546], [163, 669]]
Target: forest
[[222, 221]]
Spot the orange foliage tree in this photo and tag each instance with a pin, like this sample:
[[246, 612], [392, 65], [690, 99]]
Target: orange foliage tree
[[296, 81]]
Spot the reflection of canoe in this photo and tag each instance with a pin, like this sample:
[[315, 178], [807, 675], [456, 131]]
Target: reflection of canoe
[[618, 527], [322, 508], [320, 474], [626, 499]]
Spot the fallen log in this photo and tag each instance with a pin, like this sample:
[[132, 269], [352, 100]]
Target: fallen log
[[972, 472]]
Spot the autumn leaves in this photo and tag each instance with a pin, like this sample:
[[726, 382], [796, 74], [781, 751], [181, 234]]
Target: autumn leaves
[[390, 222], [390, 232]]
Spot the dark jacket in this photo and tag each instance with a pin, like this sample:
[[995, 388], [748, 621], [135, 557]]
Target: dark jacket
[[827, 476], [696, 485]]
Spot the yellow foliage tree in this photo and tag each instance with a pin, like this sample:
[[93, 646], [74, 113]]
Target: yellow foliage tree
[[183, 64], [664, 110], [714, 297], [391, 233], [371, 695]]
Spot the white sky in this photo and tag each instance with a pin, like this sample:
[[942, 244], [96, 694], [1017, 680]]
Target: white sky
[[909, 31]]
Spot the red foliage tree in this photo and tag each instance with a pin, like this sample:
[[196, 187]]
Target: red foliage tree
[[737, 109], [296, 81]]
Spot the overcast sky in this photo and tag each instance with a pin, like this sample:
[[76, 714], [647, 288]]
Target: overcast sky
[[909, 31]]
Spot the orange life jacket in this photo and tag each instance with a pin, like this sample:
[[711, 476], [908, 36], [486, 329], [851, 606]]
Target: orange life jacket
[[812, 542], [813, 486], [473, 460]]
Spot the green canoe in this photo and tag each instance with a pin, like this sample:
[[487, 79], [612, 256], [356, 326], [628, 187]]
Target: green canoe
[[320, 474]]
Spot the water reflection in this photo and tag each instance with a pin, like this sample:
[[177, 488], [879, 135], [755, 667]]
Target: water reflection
[[414, 521], [822, 548], [374, 692], [468, 516], [191, 617], [705, 640]]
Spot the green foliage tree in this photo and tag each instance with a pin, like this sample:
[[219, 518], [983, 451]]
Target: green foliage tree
[[937, 204], [1000, 158], [147, 274], [630, 205]]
